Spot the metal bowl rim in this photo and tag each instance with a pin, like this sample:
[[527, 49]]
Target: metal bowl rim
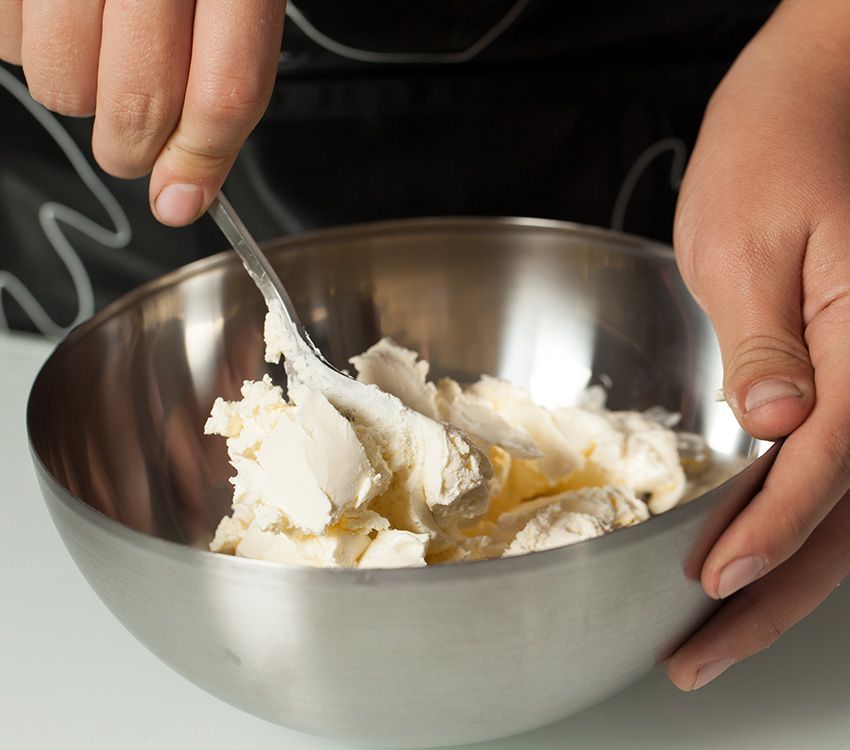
[[629, 244]]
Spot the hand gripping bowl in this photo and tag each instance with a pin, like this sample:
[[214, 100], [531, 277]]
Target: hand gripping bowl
[[436, 656]]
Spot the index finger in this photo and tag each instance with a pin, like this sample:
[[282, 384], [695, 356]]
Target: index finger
[[235, 48]]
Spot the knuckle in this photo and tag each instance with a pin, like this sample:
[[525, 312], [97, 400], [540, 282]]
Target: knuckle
[[746, 252], [130, 129], [231, 96], [136, 115], [716, 250]]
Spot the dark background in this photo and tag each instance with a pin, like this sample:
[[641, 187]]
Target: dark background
[[547, 121]]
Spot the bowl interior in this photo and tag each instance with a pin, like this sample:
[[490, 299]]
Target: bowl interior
[[116, 415]]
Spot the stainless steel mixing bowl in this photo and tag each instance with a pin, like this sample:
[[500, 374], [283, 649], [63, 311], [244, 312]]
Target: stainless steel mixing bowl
[[435, 656]]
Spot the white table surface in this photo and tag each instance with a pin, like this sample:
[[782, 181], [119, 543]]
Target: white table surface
[[72, 677]]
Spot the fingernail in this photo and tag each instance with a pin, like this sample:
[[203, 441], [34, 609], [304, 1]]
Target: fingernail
[[180, 204], [711, 671], [769, 390], [738, 574]]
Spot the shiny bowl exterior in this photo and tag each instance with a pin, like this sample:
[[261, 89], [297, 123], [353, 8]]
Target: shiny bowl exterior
[[444, 655]]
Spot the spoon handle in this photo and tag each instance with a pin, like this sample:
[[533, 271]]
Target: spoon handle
[[260, 270], [255, 261]]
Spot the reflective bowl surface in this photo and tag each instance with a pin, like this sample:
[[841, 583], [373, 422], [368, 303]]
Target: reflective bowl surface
[[437, 656]]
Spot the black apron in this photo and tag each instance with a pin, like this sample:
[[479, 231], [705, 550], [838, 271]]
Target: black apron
[[542, 108]]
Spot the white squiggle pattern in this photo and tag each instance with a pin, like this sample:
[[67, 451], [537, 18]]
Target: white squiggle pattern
[[51, 214], [627, 188], [405, 58]]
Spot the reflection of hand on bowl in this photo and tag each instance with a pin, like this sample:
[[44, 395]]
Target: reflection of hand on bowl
[[449, 654]]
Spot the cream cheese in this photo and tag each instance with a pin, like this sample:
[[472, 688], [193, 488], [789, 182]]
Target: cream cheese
[[553, 527], [393, 470]]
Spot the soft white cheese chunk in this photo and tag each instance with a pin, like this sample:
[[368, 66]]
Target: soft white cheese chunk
[[613, 507], [393, 548], [553, 527], [395, 471], [630, 449], [304, 459], [334, 548], [397, 370], [443, 475]]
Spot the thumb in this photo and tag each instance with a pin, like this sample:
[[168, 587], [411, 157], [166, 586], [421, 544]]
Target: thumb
[[752, 295]]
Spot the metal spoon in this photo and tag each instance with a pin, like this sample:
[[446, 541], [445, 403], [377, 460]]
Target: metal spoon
[[260, 270]]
